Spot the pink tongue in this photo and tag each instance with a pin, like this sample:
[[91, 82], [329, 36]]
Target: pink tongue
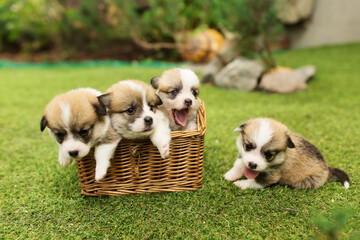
[[250, 173], [181, 117]]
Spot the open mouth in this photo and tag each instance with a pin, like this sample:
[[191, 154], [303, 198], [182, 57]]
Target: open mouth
[[180, 116], [250, 173]]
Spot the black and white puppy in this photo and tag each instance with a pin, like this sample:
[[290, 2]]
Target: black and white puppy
[[178, 89], [77, 121], [132, 107], [269, 153]]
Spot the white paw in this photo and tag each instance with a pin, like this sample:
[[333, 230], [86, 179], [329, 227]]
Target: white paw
[[192, 126], [64, 161], [232, 175], [165, 150], [248, 183], [100, 173]]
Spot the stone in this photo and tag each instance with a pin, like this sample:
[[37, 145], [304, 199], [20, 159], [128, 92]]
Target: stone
[[286, 80], [294, 11], [239, 74], [307, 72], [226, 55], [211, 69]]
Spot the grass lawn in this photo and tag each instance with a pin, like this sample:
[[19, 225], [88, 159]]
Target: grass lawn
[[40, 199]]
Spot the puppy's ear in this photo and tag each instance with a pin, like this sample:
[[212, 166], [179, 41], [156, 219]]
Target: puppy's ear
[[290, 143], [240, 128], [104, 100], [100, 108], [155, 82], [43, 123], [159, 101]]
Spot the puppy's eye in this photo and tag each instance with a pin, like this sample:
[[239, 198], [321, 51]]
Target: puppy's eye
[[130, 111], [248, 147], [195, 92], [60, 135], [269, 156], [84, 132], [152, 108], [174, 92]]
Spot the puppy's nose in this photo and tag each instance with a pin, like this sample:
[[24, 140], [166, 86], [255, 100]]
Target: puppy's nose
[[252, 165], [148, 121], [74, 153], [188, 102]]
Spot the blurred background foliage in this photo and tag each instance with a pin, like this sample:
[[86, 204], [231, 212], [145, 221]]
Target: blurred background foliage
[[69, 26]]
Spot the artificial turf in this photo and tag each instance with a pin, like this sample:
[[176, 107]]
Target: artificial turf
[[40, 199]]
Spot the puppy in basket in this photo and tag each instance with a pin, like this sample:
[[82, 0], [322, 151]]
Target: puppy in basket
[[77, 121], [178, 89], [132, 107], [269, 153]]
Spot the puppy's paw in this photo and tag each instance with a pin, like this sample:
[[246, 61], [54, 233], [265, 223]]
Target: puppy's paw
[[232, 175], [64, 161], [192, 126], [248, 183], [164, 150], [100, 173]]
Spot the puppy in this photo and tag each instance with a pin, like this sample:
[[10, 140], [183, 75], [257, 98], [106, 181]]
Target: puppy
[[178, 89], [269, 153], [132, 107], [77, 121]]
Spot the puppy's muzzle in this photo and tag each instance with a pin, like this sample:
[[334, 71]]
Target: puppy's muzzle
[[188, 102]]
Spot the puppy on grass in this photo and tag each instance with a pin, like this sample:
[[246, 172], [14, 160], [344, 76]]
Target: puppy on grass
[[77, 121], [132, 107], [269, 153], [178, 89]]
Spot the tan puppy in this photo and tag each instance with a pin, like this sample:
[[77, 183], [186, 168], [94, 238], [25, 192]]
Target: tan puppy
[[132, 107], [77, 121], [178, 89], [269, 153]]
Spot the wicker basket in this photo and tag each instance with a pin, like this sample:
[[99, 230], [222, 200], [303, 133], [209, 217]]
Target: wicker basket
[[138, 168]]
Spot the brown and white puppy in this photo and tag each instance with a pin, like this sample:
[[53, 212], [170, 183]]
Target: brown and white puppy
[[269, 153], [77, 121], [178, 89], [132, 107]]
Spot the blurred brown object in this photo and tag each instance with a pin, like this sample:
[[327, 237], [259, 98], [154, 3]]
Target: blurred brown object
[[203, 46]]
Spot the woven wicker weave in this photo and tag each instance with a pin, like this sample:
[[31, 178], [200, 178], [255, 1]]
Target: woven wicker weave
[[137, 166]]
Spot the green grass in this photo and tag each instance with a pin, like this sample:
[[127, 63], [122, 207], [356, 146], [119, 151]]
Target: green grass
[[40, 199]]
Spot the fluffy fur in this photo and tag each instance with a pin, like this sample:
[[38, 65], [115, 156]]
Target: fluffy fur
[[178, 89], [77, 121], [269, 153], [132, 107]]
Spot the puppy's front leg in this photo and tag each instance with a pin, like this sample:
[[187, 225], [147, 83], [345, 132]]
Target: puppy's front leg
[[264, 179], [192, 124], [64, 160], [161, 138], [103, 154], [248, 183], [236, 171]]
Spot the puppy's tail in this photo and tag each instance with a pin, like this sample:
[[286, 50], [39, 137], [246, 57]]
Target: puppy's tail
[[337, 174]]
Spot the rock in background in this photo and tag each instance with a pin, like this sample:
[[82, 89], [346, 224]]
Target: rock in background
[[248, 75], [240, 74], [294, 11], [286, 80]]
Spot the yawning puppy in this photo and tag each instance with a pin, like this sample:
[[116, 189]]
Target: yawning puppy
[[178, 89], [132, 107], [77, 121], [269, 153]]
